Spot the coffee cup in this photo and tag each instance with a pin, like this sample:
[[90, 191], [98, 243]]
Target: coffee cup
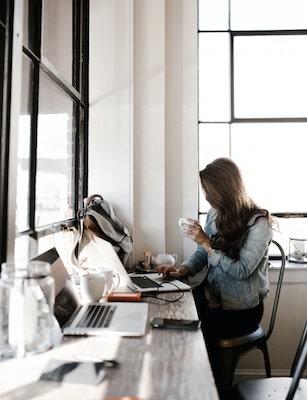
[[94, 286], [185, 221], [112, 280]]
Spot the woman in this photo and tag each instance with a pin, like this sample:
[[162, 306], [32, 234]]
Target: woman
[[234, 244]]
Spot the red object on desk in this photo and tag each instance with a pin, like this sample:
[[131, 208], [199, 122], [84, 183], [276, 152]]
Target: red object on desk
[[124, 297]]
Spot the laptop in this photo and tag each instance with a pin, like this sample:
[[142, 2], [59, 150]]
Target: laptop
[[99, 319], [144, 283]]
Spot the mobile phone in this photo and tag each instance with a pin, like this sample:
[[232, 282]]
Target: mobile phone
[[182, 324]]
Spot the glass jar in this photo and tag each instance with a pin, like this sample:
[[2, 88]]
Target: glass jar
[[40, 271], [50, 328], [7, 349], [29, 308], [297, 250], [27, 322]]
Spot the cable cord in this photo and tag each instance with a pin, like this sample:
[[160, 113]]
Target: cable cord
[[155, 296]]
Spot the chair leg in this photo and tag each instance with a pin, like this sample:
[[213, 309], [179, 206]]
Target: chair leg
[[264, 349], [226, 361]]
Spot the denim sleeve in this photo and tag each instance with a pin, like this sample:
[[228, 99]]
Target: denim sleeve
[[198, 261], [252, 252]]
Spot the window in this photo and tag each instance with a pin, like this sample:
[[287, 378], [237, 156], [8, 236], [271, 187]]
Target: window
[[253, 102], [52, 137]]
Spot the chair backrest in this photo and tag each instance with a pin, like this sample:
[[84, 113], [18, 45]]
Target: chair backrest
[[298, 365], [278, 288], [299, 350]]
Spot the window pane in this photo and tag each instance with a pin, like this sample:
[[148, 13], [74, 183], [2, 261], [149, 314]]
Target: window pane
[[286, 228], [272, 14], [23, 152], [213, 143], [214, 77], [213, 15], [272, 158], [292, 228], [270, 76], [55, 155], [31, 32], [57, 35]]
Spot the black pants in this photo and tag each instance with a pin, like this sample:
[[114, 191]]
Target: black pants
[[218, 323], [230, 323]]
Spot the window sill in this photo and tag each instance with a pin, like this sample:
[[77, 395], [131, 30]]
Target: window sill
[[294, 273]]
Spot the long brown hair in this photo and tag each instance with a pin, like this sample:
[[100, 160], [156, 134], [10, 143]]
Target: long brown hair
[[222, 183]]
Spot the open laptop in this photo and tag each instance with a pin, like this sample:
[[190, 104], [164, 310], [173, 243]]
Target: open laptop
[[144, 283], [99, 319]]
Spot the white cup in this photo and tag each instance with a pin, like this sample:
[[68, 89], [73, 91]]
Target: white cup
[[112, 279], [185, 221], [94, 286]]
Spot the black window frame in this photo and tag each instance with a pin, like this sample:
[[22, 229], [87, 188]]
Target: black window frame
[[77, 91]]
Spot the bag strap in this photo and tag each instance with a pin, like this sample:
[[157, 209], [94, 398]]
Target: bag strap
[[90, 200]]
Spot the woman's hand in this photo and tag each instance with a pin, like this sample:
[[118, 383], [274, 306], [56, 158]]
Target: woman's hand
[[170, 270], [194, 231]]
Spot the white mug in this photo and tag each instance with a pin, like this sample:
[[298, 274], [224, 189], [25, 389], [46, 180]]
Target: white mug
[[185, 221], [94, 286], [112, 279]]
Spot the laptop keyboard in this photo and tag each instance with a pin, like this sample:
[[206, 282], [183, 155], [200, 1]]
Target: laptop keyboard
[[144, 282], [97, 316]]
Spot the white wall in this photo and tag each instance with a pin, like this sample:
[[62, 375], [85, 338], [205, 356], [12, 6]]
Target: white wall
[[143, 137], [143, 121], [181, 120], [149, 126], [110, 125]]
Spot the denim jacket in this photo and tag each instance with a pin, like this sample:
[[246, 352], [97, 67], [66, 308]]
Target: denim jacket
[[235, 285]]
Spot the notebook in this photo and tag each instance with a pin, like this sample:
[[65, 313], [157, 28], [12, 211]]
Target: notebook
[[99, 319], [144, 283]]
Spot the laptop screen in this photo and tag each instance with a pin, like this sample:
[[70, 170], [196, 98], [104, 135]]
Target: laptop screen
[[57, 268], [66, 299], [66, 302]]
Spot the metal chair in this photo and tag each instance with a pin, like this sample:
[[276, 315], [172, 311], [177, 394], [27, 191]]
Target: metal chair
[[230, 350], [278, 388]]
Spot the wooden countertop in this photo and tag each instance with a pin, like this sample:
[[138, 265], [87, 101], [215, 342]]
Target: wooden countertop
[[162, 365]]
